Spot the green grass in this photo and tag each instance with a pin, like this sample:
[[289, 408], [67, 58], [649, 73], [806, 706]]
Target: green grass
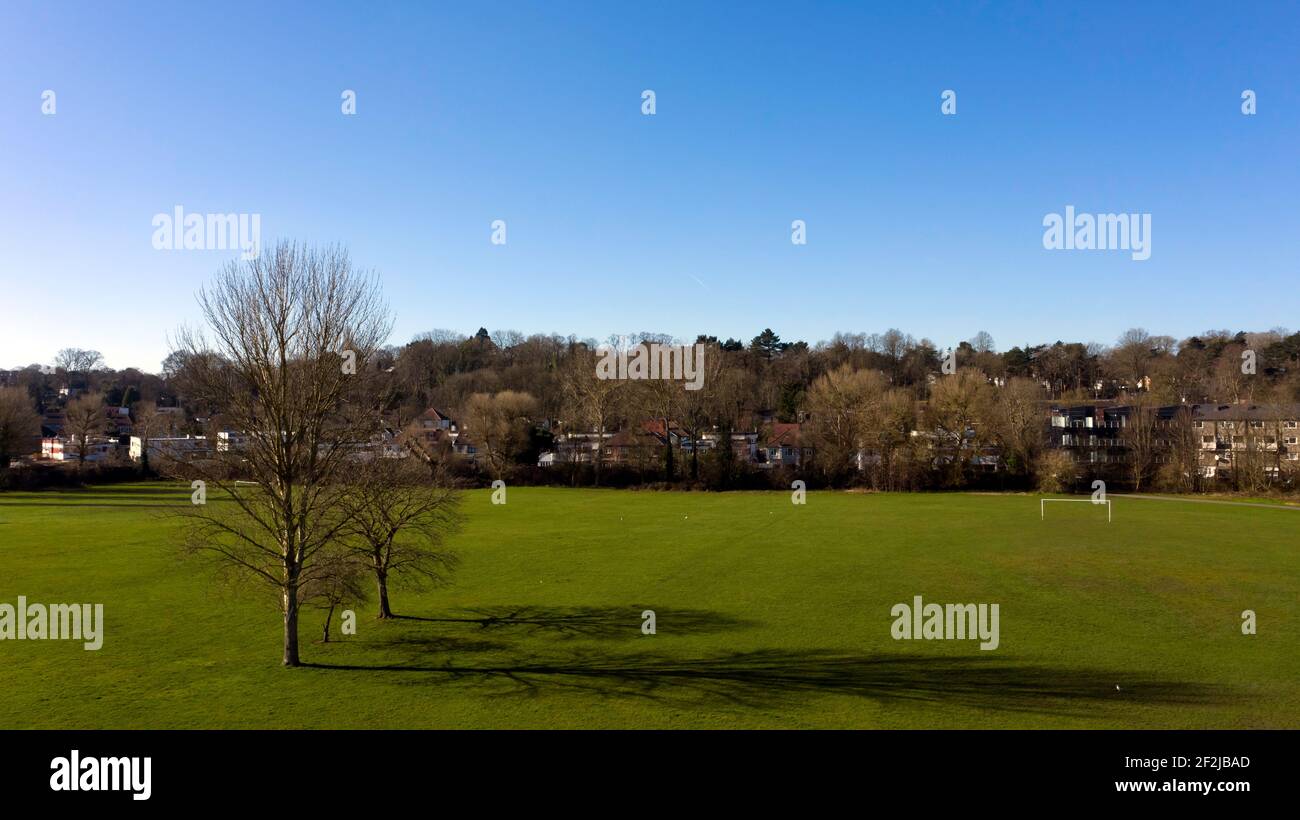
[[769, 615]]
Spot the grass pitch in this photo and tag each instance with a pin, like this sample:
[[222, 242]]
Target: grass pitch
[[768, 614]]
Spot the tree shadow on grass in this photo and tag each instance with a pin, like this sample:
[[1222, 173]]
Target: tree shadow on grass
[[587, 622], [90, 499], [774, 678], [762, 679], [85, 505], [422, 646]]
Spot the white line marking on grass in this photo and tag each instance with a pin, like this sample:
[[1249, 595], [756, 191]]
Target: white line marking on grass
[[1213, 501]]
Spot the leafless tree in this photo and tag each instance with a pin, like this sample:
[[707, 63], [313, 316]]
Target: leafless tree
[[842, 402], [661, 400], [959, 405], [1182, 473], [397, 521], [699, 407], [1141, 437], [498, 424], [84, 419], [74, 360], [982, 342], [284, 327], [337, 581], [1017, 423], [19, 424], [147, 423], [593, 401], [1131, 359]]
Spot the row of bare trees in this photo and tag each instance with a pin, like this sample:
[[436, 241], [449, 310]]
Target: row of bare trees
[[860, 422]]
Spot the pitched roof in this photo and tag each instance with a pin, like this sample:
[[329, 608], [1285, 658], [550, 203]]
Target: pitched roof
[[1242, 412], [780, 434]]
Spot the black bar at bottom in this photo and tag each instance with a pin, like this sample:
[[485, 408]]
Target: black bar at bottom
[[334, 770]]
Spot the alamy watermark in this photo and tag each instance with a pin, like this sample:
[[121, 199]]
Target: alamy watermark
[[75, 773], [922, 621], [1098, 232], [53, 622], [207, 232], [652, 361]]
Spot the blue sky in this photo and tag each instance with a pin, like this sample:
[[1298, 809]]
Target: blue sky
[[678, 222]]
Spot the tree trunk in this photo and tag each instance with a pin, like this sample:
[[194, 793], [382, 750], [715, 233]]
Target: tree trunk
[[325, 635], [291, 625], [668, 442], [385, 611]]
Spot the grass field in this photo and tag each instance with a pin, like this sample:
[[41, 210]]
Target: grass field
[[768, 615]]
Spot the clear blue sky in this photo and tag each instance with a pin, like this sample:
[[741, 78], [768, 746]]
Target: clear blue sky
[[676, 223]]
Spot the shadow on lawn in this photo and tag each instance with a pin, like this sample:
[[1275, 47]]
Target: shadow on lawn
[[86, 506], [773, 678], [135, 498], [588, 622], [768, 678]]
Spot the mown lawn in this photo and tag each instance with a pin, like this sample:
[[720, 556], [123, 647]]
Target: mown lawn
[[768, 614]]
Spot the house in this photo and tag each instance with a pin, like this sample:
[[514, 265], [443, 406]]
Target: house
[[432, 420], [1245, 436], [574, 448], [228, 440], [644, 447], [117, 421], [632, 448], [53, 421], [782, 446], [57, 448], [168, 447], [1264, 437]]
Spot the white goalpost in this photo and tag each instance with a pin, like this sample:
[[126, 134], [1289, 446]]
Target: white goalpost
[[1042, 506]]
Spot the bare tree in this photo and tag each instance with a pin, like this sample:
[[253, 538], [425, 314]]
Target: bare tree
[[661, 400], [959, 404], [982, 342], [434, 451], [1131, 358], [74, 360], [499, 424], [147, 423], [892, 425], [1141, 437], [397, 521], [1017, 423], [284, 327], [19, 424], [594, 401], [842, 402], [700, 406], [1182, 473], [336, 582], [84, 420]]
